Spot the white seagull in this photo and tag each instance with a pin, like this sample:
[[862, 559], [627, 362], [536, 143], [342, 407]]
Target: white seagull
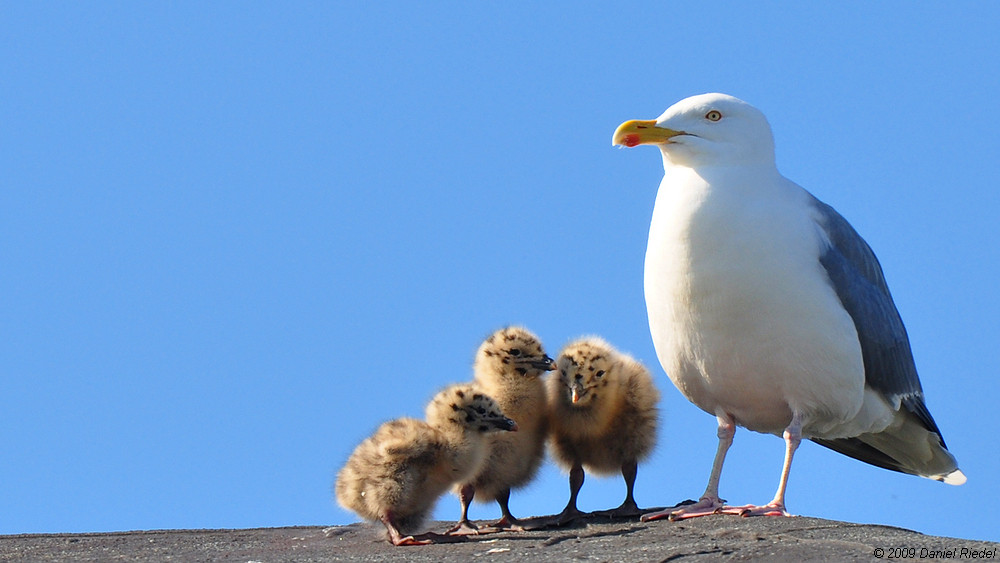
[[768, 310]]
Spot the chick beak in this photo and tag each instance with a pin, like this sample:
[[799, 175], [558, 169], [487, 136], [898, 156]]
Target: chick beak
[[577, 393], [506, 424], [544, 363]]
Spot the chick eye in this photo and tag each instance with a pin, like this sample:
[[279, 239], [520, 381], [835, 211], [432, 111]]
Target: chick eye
[[600, 373], [515, 352], [713, 115]]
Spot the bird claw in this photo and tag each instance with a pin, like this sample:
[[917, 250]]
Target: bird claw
[[709, 506], [504, 524], [686, 509], [427, 538], [769, 509], [567, 516], [463, 528], [626, 510], [409, 540]]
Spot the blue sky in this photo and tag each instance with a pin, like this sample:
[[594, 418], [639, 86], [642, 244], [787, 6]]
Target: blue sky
[[235, 237]]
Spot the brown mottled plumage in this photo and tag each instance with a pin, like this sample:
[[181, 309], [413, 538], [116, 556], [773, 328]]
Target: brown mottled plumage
[[508, 367], [396, 475], [603, 417]]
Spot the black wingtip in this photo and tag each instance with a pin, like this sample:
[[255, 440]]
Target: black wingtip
[[853, 447]]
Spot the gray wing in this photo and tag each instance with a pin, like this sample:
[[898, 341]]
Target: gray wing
[[857, 277]]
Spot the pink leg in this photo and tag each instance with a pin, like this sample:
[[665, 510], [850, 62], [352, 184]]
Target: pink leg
[[428, 538], [792, 436], [464, 527], [710, 503], [394, 535], [397, 538]]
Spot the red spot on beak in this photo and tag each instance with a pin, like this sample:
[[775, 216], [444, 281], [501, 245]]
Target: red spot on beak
[[631, 140]]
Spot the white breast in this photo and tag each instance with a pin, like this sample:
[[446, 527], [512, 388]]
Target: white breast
[[740, 311]]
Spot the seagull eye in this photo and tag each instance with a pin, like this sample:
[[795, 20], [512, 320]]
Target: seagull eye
[[600, 373], [713, 115], [515, 352]]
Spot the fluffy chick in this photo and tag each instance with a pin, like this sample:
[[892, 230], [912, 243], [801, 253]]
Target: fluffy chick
[[508, 367], [602, 405], [396, 475]]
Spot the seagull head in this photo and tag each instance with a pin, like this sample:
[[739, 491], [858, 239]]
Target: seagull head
[[704, 130]]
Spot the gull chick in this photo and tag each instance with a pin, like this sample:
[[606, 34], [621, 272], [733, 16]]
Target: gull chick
[[508, 367], [396, 475], [603, 417]]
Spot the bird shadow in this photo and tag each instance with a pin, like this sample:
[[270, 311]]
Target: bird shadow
[[553, 523], [581, 520]]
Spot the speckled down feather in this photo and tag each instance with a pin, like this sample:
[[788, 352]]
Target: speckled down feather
[[407, 464], [615, 417]]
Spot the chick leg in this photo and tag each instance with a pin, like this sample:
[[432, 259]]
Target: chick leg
[[628, 508], [507, 522], [397, 538], [571, 512], [709, 503], [464, 526]]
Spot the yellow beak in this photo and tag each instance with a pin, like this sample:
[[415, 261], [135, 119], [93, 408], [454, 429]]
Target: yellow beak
[[636, 132]]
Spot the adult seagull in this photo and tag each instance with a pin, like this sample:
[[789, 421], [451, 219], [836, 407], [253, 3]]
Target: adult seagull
[[768, 310]]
